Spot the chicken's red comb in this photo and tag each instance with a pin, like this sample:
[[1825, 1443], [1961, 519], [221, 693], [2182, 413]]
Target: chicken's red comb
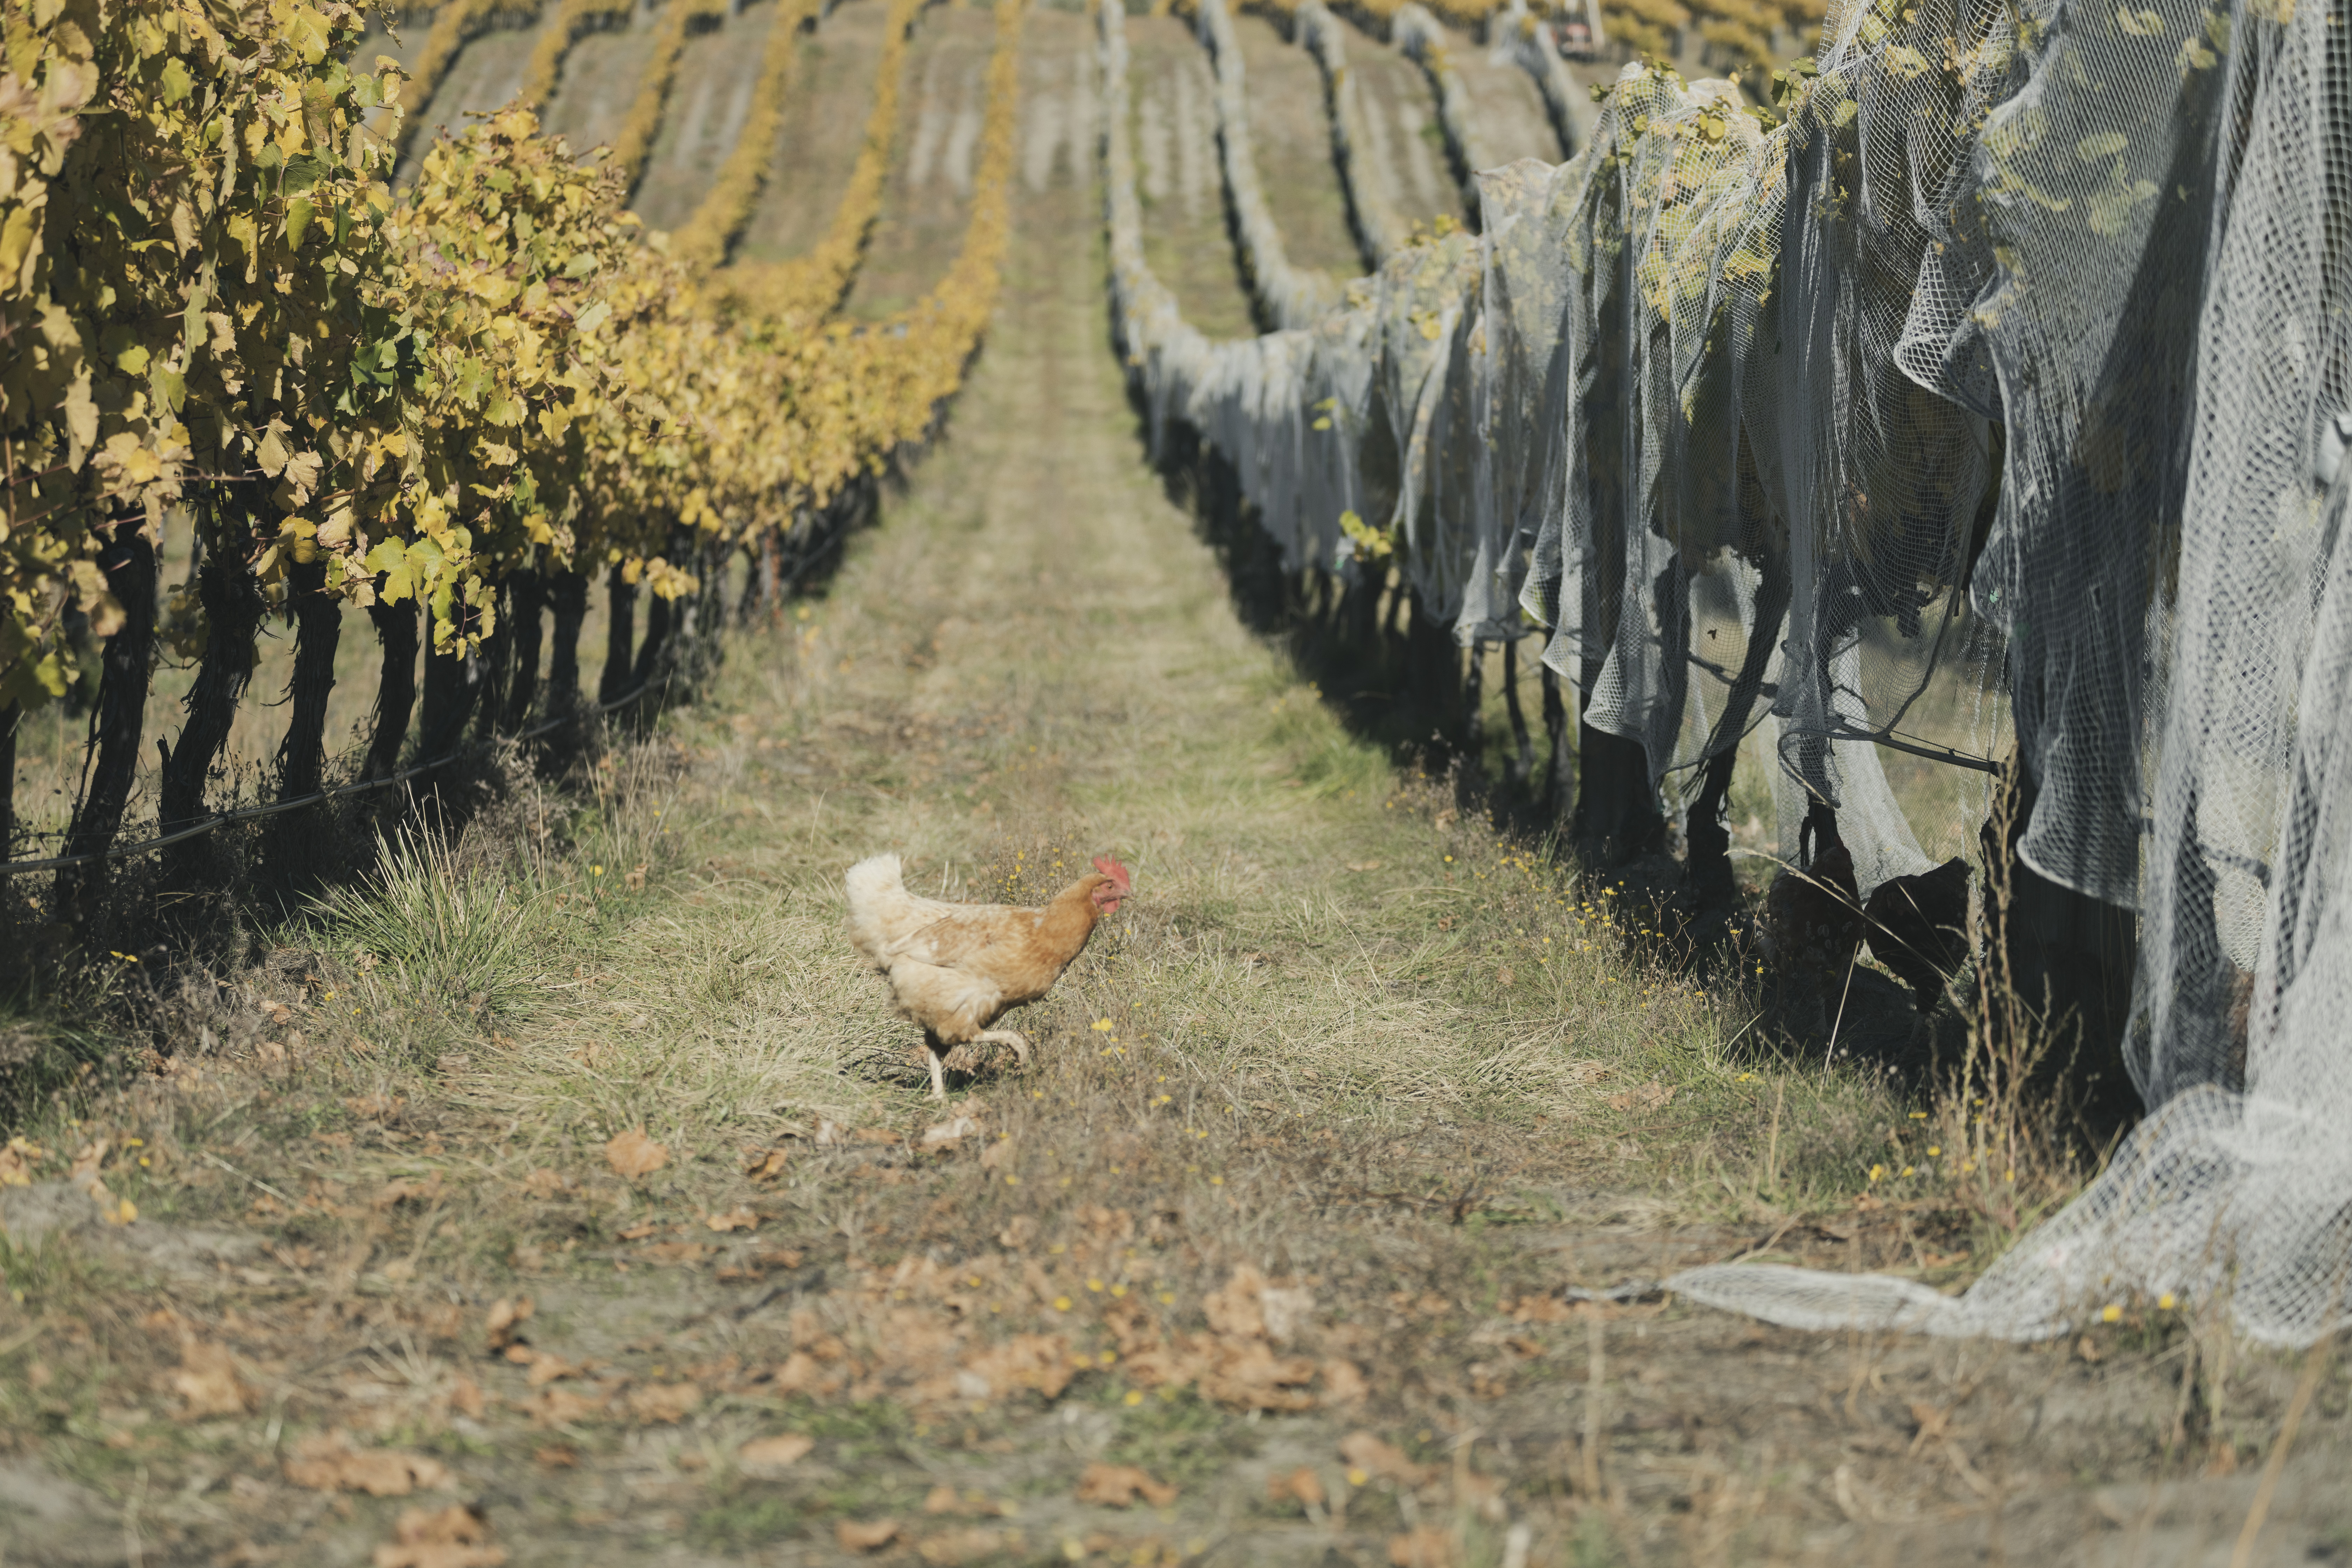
[[1116, 872]]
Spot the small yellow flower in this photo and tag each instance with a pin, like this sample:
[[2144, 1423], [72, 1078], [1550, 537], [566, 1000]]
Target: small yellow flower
[[1118, 1289], [1876, 1172], [598, 869], [1935, 1151], [2164, 1302], [1167, 1297], [2111, 1313], [1216, 1181], [1906, 1170], [1061, 1303], [1095, 1285], [1134, 1396], [1357, 1478], [1103, 1025]]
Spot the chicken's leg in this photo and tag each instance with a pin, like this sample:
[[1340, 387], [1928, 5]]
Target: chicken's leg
[[935, 1056], [1008, 1038]]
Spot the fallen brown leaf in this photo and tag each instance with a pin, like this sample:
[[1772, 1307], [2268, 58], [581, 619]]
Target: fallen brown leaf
[[1301, 1485], [207, 1380], [779, 1452], [739, 1218], [1116, 1485], [562, 1407], [954, 1546], [1371, 1455], [664, 1401], [1343, 1381], [401, 1189], [761, 1164], [1640, 1097], [507, 1315], [633, 1155], [871, 1536], [1427, 1546], [466, 1397], [876, 1135], [1041, 1361], [546, 1369], [456, 1537], [1235, 1308], [1245, 1374], [326, 1462], [671, 1252], [557, 1456], [18, 1160], [948, 1133], [639, 1231]]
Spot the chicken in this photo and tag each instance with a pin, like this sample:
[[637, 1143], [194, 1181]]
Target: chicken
[[1918, 928], [1812, 913], [955, 969]]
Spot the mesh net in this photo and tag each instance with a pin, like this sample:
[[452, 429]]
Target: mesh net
[[2018, 349]]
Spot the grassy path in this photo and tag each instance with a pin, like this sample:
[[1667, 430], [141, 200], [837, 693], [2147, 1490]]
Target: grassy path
[[1320, 1127]]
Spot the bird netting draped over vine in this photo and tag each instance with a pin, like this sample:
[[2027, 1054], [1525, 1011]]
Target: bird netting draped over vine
[[2005, 381]]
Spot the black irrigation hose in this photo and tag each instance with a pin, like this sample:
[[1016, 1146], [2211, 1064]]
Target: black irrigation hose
[[324, 792]]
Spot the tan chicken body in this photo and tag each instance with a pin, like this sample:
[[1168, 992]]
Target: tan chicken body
[[955, 969]]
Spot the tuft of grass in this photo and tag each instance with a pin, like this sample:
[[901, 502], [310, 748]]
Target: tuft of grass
[[424, 925]]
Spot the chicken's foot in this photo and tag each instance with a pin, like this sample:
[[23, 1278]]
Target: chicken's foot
[[1007, 1038]]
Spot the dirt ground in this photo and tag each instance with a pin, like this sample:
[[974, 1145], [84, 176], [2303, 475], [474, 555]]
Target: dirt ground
[[573, 1196]]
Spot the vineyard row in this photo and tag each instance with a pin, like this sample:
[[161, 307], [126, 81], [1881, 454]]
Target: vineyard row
[[449, 408]]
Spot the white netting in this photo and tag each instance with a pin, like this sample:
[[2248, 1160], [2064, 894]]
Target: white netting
[[1414, 30], [1518, 38], [1286, 296], [1723, 407], [1370, 212]]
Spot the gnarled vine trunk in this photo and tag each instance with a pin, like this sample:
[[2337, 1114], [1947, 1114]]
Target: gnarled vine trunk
[[567, 597], [125, 665], [233, 607], [318, 633], [395, 691], [621, 596], [525, 615]]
